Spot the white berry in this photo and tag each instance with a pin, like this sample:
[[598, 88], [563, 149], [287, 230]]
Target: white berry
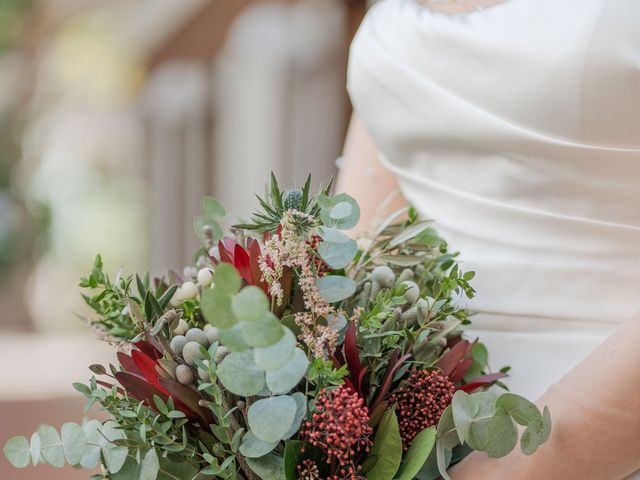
[[191, 352], [184, 375], [189, 290], [205, 277], [182, 327]]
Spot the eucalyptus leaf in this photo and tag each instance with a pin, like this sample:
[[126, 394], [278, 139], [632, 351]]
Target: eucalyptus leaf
[[335, 288], [213, 208], [253, 447], [264, 332], [95, 441], [339, 211], [250, 304], [301, 412], [34, 448], [232, 339], [286, 378], [114, 455], [74, 442], [226, 279], [275, 356], [239, 374], [215, 305], [271, 418], [386, 449], [336, 248], [150, 465], [269, 467], [17, 451], [51, 446], [502, 435]]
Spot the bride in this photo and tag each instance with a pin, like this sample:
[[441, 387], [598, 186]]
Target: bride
[[515, 126]]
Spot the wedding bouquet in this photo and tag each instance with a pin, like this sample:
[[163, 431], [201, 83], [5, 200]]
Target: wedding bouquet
[[291, 351]]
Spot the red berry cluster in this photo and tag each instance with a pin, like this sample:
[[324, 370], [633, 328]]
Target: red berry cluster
[[420, 402], [339, 426], [320, 265]]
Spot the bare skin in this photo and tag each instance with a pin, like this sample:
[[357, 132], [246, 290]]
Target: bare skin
[[595, 407]]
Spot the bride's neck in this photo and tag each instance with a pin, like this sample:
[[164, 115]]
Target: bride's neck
[[459, 6]]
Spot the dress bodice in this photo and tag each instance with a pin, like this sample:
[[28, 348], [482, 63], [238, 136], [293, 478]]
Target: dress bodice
[[517, 129]]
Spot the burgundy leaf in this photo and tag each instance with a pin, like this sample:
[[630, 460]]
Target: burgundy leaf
[[148, 368], [392, 367], [461, 370], [254, 265], [128, 364], [224, 255], [149, 349], [140, 388], [187, 400], [352, 356], [230, 245], [481, 382], [450, 360]]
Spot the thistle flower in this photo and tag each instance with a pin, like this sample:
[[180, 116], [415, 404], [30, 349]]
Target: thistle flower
[[339, 426], [420, 402]]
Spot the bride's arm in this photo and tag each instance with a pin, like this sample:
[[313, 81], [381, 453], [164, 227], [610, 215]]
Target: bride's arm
[[363, 177], [596, 421]]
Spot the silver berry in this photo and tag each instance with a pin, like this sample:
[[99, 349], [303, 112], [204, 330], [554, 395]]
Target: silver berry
[[184, 374], [177, 344], [221, 352], [191, 352], [197, 335]]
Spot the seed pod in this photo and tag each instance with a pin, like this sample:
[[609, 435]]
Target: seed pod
[[221, 352], [409, 317], [184, 375], [182, 327], [197, 335], [381, 277], [412, 293], [406, 274], [177, 344], [191, 352], [213, 334]]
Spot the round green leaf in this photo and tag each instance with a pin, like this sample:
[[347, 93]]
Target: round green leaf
[[335, 288], [522, 410], [271, 418], [51, 446], [269, 467], [17, 451], [253, 447], [250, 304], [386, 450], [275, 356], [287, 377], [74, 442], [337, 249], [262, 333], [35, 448], [301, 412], [213, 208], [215, 305], [94, 444], [226, 279], [240, 375], [232, 339], [150, 466], [502, 435], [114, 455], [339, 211], [421, 446]]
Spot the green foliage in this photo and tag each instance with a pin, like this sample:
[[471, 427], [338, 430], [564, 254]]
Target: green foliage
[[271, 418], [273, 207], [421, 446], [269, 467], [339, 211], [385, 456], [335, 288], [336, 248]]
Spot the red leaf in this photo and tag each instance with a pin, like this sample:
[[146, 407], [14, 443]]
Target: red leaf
[[128, 364], [254, 265], [148, 368], [392, 367], [352, 356], [229, 244], [187, 400], [242, 264], [450, 360], [481, 382], [224, 254], [140, 388], [461, 370], [149, 349]]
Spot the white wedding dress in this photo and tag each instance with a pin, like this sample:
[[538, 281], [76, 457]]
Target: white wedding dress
[[517, 129]]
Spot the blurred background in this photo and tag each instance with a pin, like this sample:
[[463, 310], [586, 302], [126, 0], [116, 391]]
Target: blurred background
[[115, 118]]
